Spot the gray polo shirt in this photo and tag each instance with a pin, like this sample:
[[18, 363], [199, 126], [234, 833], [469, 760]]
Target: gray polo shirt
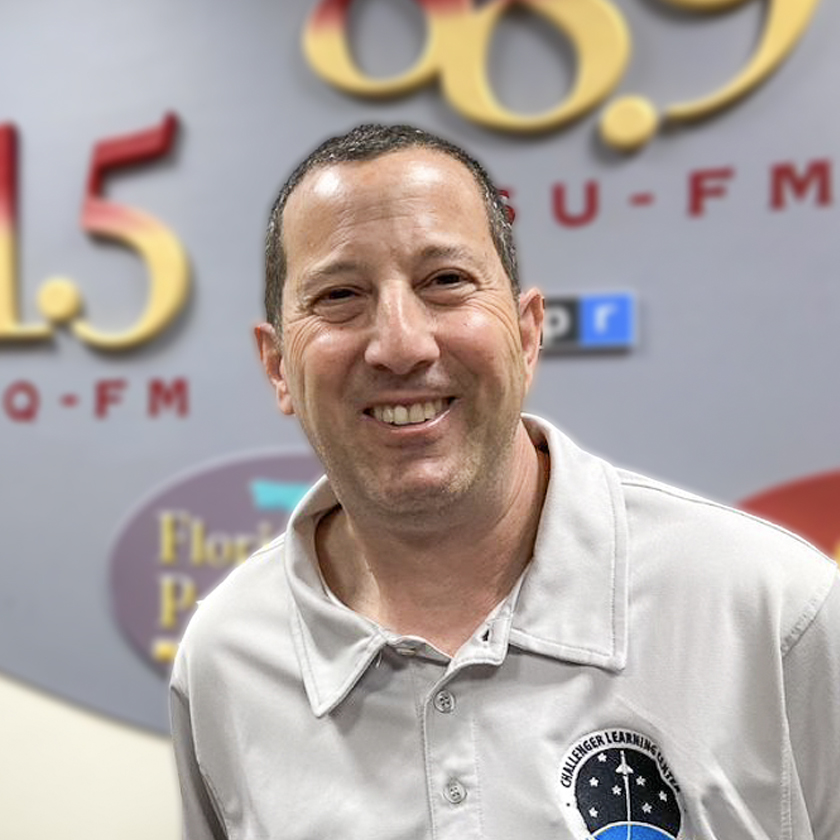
[[665, 664]]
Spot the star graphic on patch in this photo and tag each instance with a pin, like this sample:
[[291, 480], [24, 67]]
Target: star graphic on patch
[[622, 788]]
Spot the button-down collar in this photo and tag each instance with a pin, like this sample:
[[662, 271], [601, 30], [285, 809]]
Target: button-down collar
[[569, 604]]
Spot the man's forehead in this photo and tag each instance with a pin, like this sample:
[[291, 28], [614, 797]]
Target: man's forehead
[[416, 165]]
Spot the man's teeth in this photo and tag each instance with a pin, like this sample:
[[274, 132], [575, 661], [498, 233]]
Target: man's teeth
[[404, 415]]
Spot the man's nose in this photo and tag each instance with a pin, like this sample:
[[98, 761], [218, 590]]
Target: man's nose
[[403, 332]]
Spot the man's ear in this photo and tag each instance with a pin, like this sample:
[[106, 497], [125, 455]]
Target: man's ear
[[271, 357], [531, 316]]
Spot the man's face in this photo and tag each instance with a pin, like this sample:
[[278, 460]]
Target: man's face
[[404, 354]]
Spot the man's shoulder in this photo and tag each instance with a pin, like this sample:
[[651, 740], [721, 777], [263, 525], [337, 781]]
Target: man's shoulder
[[674, 512], [677, 533], [249, 604], [722, 556]]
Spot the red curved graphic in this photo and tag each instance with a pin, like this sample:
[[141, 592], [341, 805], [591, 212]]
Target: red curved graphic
[[808, 506]]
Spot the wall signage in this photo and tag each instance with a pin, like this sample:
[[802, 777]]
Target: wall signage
[[182, 541], [703, 191], [589, 323], [808, 506], [59, 299], [458, 38]]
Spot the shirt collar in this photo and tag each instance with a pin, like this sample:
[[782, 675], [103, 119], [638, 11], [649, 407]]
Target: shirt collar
[[573, 600], [570, 604], [334, 645]]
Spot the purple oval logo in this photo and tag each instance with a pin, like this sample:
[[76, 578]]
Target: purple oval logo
[[181, 542]]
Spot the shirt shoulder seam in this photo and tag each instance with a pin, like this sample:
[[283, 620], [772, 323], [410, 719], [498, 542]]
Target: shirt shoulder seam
[[807, 616], [692, 499]]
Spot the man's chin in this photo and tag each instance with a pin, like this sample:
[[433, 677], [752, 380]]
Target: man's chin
[[415, 496]]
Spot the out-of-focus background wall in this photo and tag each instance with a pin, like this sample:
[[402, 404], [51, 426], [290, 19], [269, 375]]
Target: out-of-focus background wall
[[692, 282]]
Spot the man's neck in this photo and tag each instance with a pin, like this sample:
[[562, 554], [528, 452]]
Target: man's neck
[[443, 583]]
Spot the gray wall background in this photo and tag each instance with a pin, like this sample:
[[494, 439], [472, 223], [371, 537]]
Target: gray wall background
[[731, 389]]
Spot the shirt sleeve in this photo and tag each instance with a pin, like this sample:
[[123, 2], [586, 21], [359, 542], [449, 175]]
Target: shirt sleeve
[[812, 691], [201, 821]]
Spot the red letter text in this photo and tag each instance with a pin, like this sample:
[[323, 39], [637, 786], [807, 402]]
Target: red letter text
[[586, 216], [162, 395], [785, 178], [704, 184], [108, 392]]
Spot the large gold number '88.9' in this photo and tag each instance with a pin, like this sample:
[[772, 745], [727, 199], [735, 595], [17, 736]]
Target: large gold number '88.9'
[[456, 49], [458, 41]]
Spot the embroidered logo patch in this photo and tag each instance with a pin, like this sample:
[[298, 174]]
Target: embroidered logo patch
[[616, 785]]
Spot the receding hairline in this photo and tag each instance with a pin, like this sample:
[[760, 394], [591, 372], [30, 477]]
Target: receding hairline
[[321, 167]]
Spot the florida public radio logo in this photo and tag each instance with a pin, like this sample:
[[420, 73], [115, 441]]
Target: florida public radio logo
[[459, 34], [189, 534]]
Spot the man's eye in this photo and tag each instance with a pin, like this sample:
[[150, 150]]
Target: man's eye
[[450, 278], [338, 304], [337, 295], [340, 296]]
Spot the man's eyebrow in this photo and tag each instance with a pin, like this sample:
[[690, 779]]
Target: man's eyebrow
[[332, 269], [446, 252]]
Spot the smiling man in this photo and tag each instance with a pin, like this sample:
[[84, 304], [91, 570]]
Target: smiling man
[[472, 628]]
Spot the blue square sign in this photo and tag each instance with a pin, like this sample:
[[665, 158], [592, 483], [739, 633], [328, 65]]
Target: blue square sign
[[607, 320]]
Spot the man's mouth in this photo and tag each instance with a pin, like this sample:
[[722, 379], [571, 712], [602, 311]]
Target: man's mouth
[[411, 413]]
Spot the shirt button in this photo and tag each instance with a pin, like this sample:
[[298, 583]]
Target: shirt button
[[454, 792], [445, 701]]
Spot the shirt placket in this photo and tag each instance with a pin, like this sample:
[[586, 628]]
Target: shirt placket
[[450, 753]]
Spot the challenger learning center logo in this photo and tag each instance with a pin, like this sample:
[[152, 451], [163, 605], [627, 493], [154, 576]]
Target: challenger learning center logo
[[616, 785]]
